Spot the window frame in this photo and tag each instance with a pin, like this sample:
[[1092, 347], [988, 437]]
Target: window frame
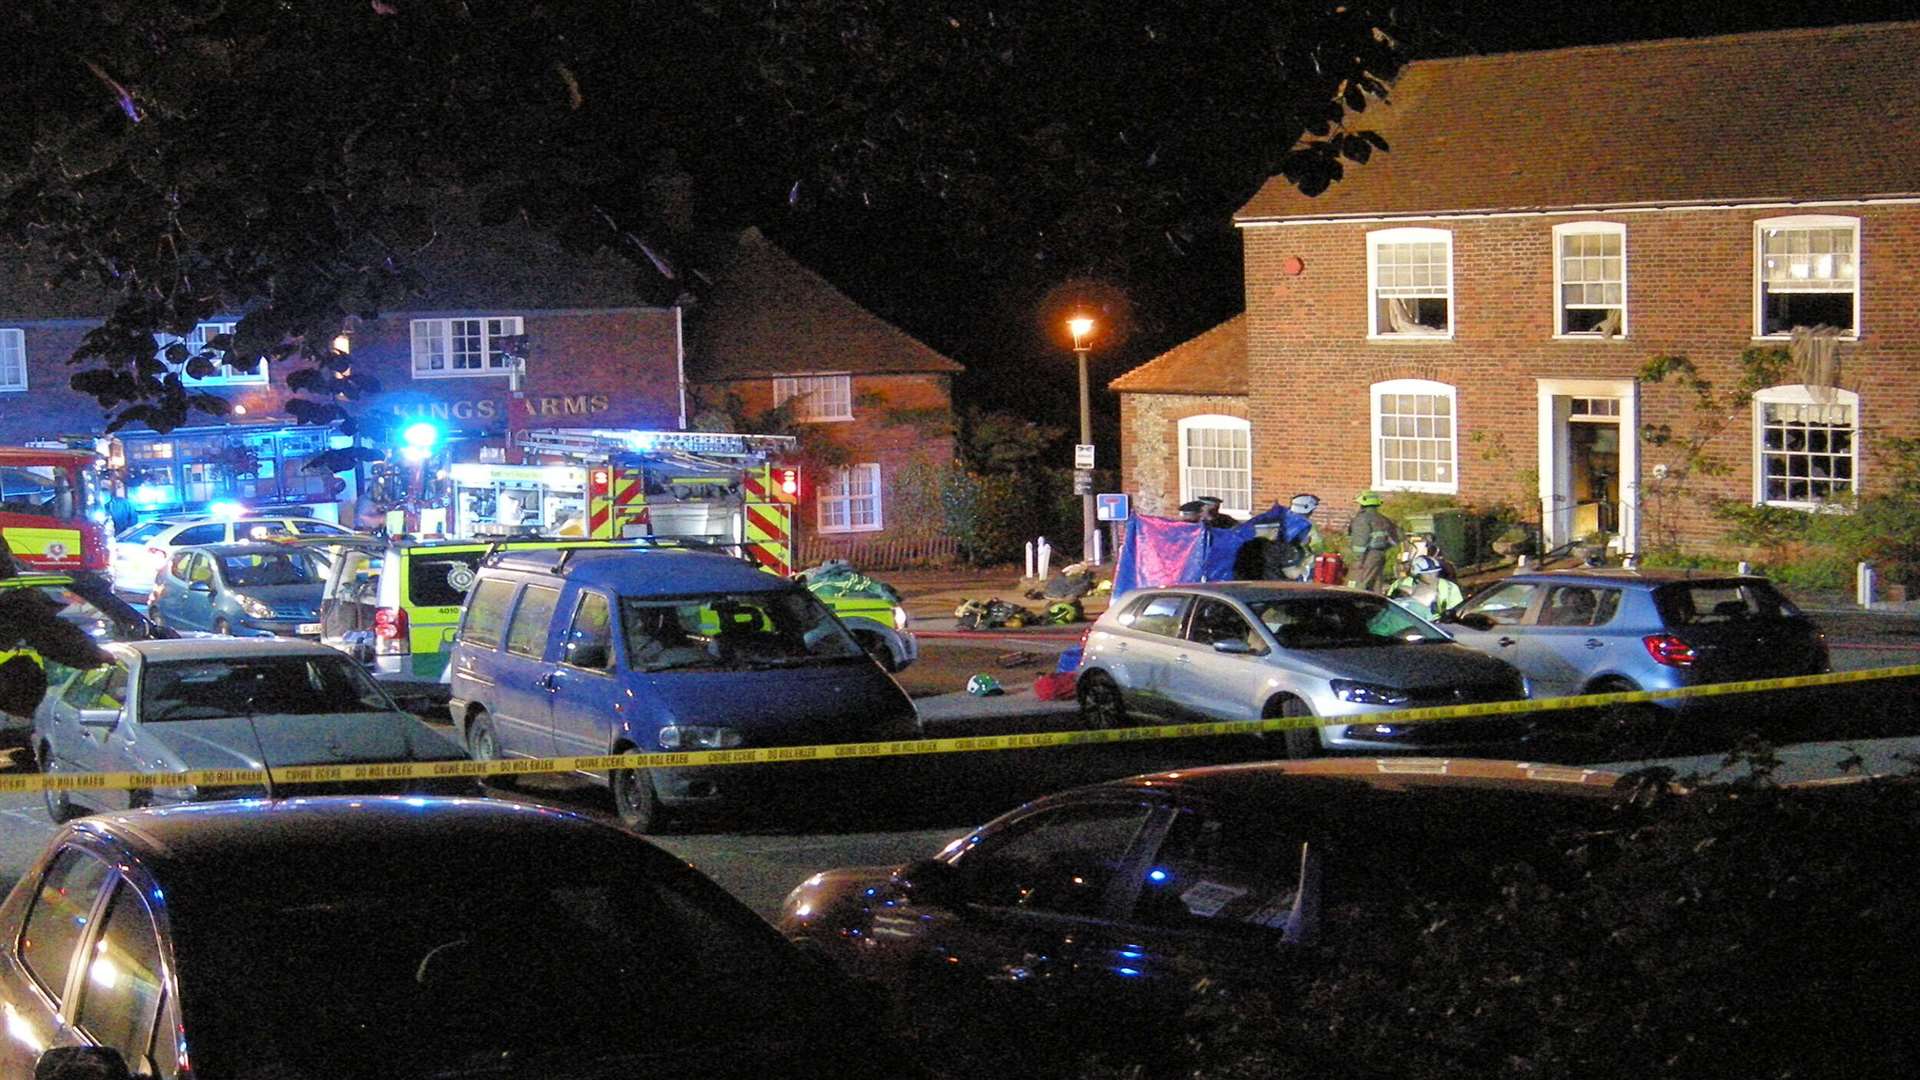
[[97, 929], [1794, 222], [224, 373], [1376, 461], [580, 602], [59, 997], [807, 387], [482, 640], [1586, 228], [837, 490], [511, 326], [1380, 238], [18, 349], [544, 627], [1241, 505], [1799, 394]]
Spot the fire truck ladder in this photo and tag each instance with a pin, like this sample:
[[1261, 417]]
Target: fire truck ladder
[[603, 442]]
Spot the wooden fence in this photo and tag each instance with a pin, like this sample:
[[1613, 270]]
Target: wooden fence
[[891, 553]]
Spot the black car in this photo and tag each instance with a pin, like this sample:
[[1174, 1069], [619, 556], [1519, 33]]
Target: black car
[[396, 938], [1118, 897]]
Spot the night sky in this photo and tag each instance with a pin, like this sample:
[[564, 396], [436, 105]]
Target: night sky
[[1004, 331]]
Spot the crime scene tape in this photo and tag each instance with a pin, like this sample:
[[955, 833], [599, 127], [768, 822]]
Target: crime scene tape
[[228, 779]]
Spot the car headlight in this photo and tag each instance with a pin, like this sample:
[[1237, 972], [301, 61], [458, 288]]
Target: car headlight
[[695, 737], [254, 607], [1368, 694], [900, 617]]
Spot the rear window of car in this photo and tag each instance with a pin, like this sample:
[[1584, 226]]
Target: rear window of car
[[318, 528], [441, 579], [527, 634], [201, 534], [1707, 603], [487, 613], [1156, 614]]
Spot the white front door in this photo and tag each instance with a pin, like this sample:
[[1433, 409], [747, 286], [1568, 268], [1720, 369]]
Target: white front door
[[1589, 460]]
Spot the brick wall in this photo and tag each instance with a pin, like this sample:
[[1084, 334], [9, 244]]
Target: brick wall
[[1150, 450], [896, 419], [1690, 289]]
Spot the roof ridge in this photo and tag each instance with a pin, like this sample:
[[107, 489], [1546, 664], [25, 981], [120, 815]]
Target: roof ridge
[[1650, 44]]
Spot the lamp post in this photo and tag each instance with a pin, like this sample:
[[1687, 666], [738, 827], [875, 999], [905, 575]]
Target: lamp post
[[1081, 327]]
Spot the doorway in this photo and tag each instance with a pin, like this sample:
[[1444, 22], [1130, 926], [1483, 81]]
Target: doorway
[[1589, 461]]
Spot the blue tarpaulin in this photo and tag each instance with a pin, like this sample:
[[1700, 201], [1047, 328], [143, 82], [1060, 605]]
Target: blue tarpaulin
[[1168, 551]]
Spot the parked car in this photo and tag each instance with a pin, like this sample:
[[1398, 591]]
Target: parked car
[[605, 650], [1118, 897], [218, 703], [140, 553], [1596, 631], [395, 939], [1258, 650], [246, 590], [88, 603]]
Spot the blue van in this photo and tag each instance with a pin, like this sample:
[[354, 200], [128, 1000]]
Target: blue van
[[596, 651]]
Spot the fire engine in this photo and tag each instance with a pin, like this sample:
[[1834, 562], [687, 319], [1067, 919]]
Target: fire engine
[[595, 483], [48, 503]]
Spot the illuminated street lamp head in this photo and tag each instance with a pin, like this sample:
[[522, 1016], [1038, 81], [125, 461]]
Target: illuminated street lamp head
[[343, 342], [1081, 327]]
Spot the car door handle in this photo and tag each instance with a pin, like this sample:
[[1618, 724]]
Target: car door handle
[[1595, 643], [1183, 658], [544, 682], [1506, 641]]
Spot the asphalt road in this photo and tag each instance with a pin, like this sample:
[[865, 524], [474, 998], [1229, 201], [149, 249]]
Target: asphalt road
[[894, 810]]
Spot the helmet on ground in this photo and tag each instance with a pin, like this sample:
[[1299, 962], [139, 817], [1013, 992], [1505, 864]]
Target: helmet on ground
[[1304, 504], [969, 607], [1064, 611], [1368, 498], [984, 686], [1427, 564]]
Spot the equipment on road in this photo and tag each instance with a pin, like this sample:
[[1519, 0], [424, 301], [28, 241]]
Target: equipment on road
[[984, 686]]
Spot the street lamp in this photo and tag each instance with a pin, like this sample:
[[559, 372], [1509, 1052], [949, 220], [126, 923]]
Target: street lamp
[[1081, 327]]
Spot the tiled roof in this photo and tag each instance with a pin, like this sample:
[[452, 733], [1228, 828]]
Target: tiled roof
[[1788, 116], [1213, 363], [769, 315]]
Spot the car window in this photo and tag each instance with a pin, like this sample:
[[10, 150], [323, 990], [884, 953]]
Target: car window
[[200, 569], [527, 634], [1580, 605], [59, 918], [1157, 614], [141, 532], [269, 568], [211, 533], [259, 530], [181, 564], [319, 528], [282, 684], [487, 613], [1503, 604], [441, 579], [590, 638], [1216, 621], [786, 628], [1340, 621], [101, 688], [1059, 860], [1213, 871], [1708, 603], [120, 997]]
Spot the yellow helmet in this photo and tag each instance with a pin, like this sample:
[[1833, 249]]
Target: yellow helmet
[[1368, 498]]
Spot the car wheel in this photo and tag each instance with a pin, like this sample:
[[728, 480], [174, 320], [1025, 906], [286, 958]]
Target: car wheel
[[59, 806], [1637, 729], [1300, 743], [876, 647], [635, 800], [1101, 704]]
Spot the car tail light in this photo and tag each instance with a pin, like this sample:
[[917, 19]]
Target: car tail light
[[158, 553], [1669, 650], [390, 637]]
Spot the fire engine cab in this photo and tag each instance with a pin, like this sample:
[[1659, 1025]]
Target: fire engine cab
[[50, 509], [609, 484]]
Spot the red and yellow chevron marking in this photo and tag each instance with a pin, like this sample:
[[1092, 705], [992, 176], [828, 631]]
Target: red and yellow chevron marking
[[754, 484], [769, 532]]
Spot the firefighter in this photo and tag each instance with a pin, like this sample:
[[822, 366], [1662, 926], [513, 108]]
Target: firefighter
[[1370, 536], [1425, 590]]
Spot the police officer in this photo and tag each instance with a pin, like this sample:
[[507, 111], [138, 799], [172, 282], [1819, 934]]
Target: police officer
[[1370, 536], [1191, 511], [1211, 516]]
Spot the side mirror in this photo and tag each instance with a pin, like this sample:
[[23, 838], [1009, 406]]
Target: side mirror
[[100, 718], [200, 586], [930, 881], [1233, 646], [81, 1063]]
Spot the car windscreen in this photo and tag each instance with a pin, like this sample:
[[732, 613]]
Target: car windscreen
[[1343, 621], [295, 685], [788, 628], [44, 490], [460, 962], [260, 569]]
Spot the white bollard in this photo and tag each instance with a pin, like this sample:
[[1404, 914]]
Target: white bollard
[[1863, 584], [1099, 556], [1029, 560], [1745, 568], [1046, 559]]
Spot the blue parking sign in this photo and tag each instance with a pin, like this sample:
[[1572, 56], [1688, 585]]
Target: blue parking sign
[[1111, 507]]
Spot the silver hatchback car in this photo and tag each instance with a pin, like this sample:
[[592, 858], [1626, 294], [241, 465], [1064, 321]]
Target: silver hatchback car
[[1258, 650]]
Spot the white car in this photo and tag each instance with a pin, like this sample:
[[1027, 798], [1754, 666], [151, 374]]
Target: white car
[[140, 552]]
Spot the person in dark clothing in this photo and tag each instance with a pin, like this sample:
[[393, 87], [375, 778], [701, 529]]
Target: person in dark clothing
[[1370, 536]]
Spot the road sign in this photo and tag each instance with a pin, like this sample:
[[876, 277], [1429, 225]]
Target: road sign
[[1110, 507], [1083, 455], [1083, 482]]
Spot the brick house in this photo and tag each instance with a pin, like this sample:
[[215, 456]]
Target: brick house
[[1470, 314], [776, 333]]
